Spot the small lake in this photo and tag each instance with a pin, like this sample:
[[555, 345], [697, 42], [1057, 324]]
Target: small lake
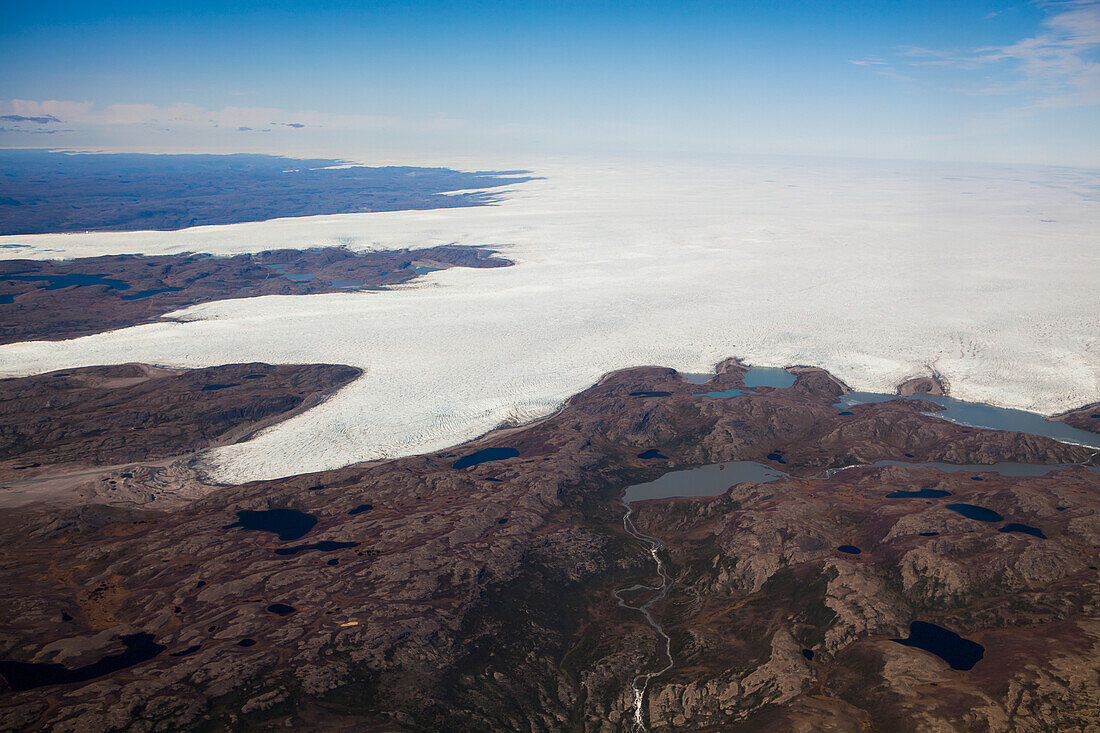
[[723, 395], [714, 479], [484, 456], [919, 494], [709, 480], [978, 415], [23, 676], [959, 653], [652, 454], [289, 524], [1023, 529], [777, 377], [56, 282], [149, 293], [977, 513], [323, 546], [298, 277]]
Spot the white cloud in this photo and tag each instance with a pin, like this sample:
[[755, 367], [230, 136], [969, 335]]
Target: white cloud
[[1056, 68], [1060, 64]]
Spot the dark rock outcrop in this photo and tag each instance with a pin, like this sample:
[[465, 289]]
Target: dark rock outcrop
[[53, 300], [137, 412]]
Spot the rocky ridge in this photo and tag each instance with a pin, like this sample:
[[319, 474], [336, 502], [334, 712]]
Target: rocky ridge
[[429, 597], [53, 300]]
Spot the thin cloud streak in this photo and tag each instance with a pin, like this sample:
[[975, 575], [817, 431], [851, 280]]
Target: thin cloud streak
[[191, 116], [1055, 69]]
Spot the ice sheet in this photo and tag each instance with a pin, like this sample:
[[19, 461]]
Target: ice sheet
[[875, 271]]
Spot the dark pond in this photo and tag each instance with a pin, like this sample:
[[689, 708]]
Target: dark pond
[[246, 642], [1023, 529], [850, 549], [977, 415], [27, 676], [56, 282], [485, 455], [808, 653], [323, 546], [920, 494], [361, 508], [289, 524], [185, 652], [281, 609], [929, 534], [979, 513], [652, 453], [777, 457], [214, 387], [650, 394], [958, 652]]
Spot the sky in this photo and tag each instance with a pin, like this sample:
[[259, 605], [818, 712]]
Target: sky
[[982, 80]]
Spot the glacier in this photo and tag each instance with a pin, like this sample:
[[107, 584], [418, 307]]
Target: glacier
[[876, 271]]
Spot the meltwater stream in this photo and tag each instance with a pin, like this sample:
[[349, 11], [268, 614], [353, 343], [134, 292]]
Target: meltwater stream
[[702, 481], [641, 681]]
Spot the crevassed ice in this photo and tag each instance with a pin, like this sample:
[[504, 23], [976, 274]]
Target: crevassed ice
[[875, 271]]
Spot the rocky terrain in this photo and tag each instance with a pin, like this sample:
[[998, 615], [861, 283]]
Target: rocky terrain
[[52, 299], [113, 430], [1083, 418], [473, 588]]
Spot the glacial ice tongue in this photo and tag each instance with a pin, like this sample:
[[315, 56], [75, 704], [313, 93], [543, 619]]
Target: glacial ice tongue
[[875, 271]]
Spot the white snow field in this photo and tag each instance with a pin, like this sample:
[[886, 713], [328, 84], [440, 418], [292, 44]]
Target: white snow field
[[875, 271]]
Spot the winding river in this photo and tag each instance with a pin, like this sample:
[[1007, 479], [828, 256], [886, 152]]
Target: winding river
[[641, 681]]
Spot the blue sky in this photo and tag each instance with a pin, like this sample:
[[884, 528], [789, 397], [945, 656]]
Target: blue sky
[[988, 81]]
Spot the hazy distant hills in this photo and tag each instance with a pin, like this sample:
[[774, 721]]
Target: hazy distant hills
[[43, 191]]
